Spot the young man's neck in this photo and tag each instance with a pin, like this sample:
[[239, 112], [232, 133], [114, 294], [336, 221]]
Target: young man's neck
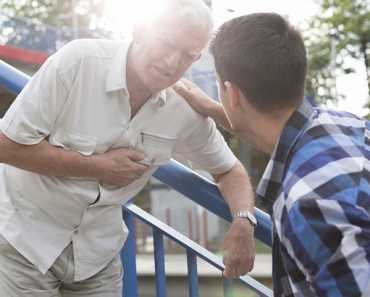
[[274, 126], [266, 129]]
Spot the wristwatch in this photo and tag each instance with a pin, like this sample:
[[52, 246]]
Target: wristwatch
[[245, 214]]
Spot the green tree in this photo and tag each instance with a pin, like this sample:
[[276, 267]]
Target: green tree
[[86, 14], [343, 27]]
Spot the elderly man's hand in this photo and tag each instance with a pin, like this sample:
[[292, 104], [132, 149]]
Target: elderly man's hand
[[239, 249], [120, 167]]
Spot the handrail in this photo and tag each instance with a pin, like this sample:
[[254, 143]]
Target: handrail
[[12, 79], [193, 250], [174, 174], [206, 194]]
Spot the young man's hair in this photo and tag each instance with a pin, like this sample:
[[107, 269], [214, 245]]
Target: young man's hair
[[265, 57]]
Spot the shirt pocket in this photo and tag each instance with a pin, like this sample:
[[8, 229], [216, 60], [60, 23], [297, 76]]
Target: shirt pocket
[[84, 144], [157, 148]]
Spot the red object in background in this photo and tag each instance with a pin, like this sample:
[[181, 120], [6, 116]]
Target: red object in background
[[22, 55]]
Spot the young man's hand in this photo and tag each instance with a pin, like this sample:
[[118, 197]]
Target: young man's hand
[[202, 103], [239, 249], [120, 167], [196, 98]]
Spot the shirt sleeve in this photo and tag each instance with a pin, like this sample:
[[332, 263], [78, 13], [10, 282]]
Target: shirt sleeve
[[33, 113], [205, 148], [329, 240]]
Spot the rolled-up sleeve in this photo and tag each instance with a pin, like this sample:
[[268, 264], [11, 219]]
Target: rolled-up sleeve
[[206, 149], [34, 112]]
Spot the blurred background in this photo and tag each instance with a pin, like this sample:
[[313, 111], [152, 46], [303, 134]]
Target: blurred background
[[337, 36]]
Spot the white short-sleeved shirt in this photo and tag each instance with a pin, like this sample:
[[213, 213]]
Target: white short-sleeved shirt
[[78, 100]]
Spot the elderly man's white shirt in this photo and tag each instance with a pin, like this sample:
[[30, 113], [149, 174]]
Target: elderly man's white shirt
[[78, 100]]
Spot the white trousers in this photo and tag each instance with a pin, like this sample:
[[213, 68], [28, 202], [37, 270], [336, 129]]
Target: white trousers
[[20, 278]]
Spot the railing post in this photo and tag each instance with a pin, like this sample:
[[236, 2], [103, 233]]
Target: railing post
[[128, 257], [160, 274], [228, 287], [192, 273]]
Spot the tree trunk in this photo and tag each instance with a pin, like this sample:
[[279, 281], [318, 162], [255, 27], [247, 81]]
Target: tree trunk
[[364, 43]]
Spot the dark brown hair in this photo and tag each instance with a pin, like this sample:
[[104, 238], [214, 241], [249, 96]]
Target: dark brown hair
[[265, 57]]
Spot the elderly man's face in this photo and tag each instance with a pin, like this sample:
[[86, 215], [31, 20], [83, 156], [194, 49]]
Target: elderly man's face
[[163, 54]]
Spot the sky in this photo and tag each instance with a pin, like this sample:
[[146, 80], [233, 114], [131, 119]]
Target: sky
[[123, 14]]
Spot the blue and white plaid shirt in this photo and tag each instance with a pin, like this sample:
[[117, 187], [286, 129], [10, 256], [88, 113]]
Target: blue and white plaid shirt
[[317, 189]]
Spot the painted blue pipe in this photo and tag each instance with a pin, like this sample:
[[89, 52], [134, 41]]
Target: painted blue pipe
[[11, 78], [206, 194], [174, 174]]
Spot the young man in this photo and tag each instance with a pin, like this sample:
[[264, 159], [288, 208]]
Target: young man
[[84, 136], [317, 183]]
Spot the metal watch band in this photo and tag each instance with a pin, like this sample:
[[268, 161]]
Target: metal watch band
[[245, 214]]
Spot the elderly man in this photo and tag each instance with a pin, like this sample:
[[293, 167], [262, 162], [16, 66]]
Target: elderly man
[[317, 183], [84, 136]]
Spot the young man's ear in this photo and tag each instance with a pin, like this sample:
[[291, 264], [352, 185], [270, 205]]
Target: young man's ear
[[233, 94]]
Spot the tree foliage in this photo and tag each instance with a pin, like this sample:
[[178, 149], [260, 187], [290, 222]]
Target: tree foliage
[[87, 13], [343, 26]]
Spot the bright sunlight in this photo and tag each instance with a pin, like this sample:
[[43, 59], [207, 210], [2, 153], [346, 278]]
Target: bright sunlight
[[123, 14]]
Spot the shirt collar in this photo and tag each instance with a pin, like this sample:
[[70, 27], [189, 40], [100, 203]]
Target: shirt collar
[[116, 78], [270, 184], [160, 98]]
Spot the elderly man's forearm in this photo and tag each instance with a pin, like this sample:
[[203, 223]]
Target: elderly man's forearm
[[46, 159], [236, 188]]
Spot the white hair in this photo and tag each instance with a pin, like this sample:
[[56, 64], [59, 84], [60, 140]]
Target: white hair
[[193, 11]]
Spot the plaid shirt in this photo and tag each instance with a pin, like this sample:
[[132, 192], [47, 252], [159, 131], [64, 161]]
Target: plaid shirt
[[317, 190]]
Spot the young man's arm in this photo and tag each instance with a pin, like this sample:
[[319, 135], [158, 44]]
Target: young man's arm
[[323, 221], [239, 246], [329, 241], [202, 103]]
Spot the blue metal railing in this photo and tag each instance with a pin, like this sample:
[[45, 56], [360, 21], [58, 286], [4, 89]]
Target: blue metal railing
[[188, 183], [11, 78], [193, 250], [206, 194]]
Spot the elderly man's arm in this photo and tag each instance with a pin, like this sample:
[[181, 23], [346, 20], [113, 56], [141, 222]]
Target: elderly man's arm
[[206, 149], [33, 118], [118, 167], [239, 246]]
